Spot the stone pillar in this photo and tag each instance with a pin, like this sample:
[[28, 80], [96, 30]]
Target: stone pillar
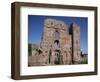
[[75, 43]]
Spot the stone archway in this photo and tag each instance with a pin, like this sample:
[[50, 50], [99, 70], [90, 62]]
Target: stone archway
[[56, 39], [57, 57], [56, 44]]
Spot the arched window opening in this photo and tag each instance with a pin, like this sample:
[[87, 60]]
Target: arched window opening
[[56, 44], [56, 35]]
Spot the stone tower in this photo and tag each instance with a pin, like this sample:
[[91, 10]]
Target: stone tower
[[76, 57], [56, 42]]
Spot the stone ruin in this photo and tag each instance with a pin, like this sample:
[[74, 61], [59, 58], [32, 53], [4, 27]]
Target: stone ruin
[[59, 44]]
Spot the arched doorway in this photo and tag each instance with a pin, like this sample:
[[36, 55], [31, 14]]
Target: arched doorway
[[57, 57]]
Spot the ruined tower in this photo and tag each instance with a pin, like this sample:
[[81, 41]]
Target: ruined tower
[[59, 44], [56, 42], [76, 57]]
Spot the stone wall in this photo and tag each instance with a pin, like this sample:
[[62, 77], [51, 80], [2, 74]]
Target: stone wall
[[58, 45]]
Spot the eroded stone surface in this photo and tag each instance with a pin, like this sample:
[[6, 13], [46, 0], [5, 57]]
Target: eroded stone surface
[[60, 44]]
